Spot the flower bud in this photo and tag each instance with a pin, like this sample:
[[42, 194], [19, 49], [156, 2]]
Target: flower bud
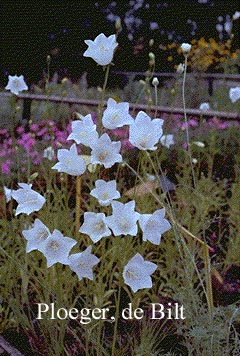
[[186, 48], [155, 82], [180, 68], [199, 144], [151, 55], [118, 24], [151, 42], [142, 82]]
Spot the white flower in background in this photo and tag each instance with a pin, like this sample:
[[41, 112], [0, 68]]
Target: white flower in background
[[95, 226], [82, 263], [123, 221], [228, 27], [70, 162], [137, 272], [84, 131], [16, 84], [105, 192], [180, 68], [116, 115], [57, 247], [101, 50], [106, 152], [8, 193], [199, 143], [167, 140], [36, 236], [155, 82], [186, 48], [28, 200], [49, 153], [145, 133], [236, 15], [234, 94], [219, 28], [204, 107], [153, 226], [194, 161]]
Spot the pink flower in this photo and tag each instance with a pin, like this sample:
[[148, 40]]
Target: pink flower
[[20, 130], [34, 127], [6, 166]]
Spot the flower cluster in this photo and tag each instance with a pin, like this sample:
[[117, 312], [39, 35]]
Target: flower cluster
[[56, 248], [145, 134]]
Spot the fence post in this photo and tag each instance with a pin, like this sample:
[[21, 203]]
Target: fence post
[[26, 114]]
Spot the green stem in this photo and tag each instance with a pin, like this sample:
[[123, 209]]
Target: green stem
[[101, 105], [78, 204], [209, 291], [116, 321], [186, 121], [156, 100]]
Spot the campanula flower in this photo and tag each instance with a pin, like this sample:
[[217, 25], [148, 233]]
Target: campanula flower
[[116, 115], [28, 200], [123, 221], [204, 107], [101, 50], [167, 140], [137, 272], [57, 247], [16, 84], [84, 131], [153, 226], [70, 162], [106, 152], [105, 192], [95, 226], [36, 236], [8, 193], [82, 263], [234, 94], [145, 133], [49, 153]]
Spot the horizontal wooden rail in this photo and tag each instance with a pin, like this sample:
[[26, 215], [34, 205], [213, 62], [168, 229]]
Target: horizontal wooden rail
[[28, 98]]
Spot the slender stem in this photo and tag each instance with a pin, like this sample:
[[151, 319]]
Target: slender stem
[[116, 320], [156, 100], [209, 291], [101, 105], [186, 121], [78, 204]]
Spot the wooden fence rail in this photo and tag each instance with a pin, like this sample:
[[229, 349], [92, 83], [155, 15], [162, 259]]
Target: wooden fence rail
[[28, 98], [209, 77]]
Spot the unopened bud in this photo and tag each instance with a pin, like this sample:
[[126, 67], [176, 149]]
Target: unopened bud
[[151, 55], [32, 177], [151, 42], [142, 82], [155, 82], [118, 24], [186, 48], [180, 68]]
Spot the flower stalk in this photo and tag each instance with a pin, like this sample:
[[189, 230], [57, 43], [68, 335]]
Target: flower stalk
[[78, 204], [186, 121]]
